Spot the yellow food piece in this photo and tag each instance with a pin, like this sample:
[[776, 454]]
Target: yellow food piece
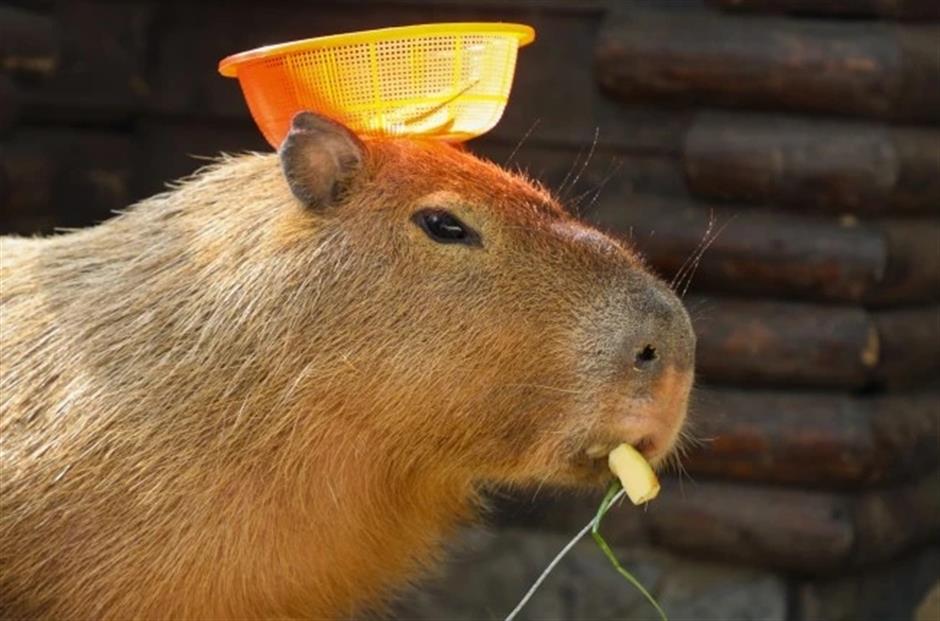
[[635, 474]]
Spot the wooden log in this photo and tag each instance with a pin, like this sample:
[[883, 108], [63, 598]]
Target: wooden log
[[773, 343], [783, 344], [918, 97], [171, 149], [754, 251], [905, 428], [916, 150], [842, 67], [9, 104], [905, 9], [101, 75], [909, 346], [554, 88], [913, 265], [767, 252], [51, 178], [782, 528], [893, 520], [28, 43], [890, 590], [813, 164], [577, 176], [797, 530], [813, 439], [808, 532], [26, 186]]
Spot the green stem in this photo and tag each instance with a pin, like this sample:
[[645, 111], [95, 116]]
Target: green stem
[[612, 492]]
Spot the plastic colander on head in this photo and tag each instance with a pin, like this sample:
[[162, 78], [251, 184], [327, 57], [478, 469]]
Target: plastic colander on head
[[444, 81]]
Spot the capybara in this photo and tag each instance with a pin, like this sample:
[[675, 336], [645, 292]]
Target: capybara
[[276, 389]]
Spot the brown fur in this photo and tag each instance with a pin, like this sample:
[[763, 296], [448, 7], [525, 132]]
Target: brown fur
[[222, 404]]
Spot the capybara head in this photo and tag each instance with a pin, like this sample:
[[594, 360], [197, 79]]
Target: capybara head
[[481, 324]]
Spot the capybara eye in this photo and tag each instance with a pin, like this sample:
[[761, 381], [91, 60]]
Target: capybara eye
[[444, 228]]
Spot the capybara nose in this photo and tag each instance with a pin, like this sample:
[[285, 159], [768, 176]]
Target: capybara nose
[[658, 334], [646, 359]]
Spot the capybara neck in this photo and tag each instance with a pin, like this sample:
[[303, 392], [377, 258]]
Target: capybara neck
[[213, 451]]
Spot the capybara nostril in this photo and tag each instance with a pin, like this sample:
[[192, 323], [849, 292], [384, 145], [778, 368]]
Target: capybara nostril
[[645, 358], [658, 334]]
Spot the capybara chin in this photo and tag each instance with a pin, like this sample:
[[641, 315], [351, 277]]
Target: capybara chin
[[274, 390]]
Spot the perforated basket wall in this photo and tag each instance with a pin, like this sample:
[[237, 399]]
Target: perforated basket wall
[[449, 86]]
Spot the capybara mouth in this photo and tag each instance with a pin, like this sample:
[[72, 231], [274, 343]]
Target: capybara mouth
[[600, 449], [589, 464]]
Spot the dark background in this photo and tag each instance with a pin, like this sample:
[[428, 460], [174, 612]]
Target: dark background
[[806, 133]]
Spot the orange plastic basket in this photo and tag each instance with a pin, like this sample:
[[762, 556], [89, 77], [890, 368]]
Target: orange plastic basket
[[444, 81]]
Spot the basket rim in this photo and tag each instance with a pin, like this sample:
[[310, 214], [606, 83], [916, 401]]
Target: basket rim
[[228, 66]]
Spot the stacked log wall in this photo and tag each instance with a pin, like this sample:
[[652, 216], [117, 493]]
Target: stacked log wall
[[797, 142], [811, 159]]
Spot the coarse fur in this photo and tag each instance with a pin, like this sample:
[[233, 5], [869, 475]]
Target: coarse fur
[[224, 404]]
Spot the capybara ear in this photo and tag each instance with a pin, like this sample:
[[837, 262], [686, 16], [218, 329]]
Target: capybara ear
[[319, 158]]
